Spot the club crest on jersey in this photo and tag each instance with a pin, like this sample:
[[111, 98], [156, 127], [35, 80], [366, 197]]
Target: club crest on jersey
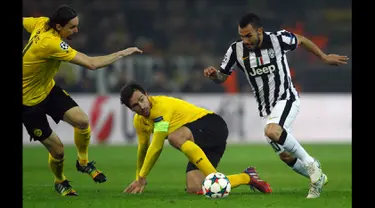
[[64, 45], [271, 53], [160, 118]]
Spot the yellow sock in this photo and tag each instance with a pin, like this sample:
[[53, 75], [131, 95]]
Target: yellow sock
[[57, 167], [239, 179], [197, 157], [82, 141]]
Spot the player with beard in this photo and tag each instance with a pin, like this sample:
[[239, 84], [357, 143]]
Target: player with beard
[[42, 57], [197, 132], [262, 57]]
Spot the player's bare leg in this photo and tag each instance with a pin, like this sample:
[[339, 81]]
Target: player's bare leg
[[82, 134], [56, 164], [194, 180]]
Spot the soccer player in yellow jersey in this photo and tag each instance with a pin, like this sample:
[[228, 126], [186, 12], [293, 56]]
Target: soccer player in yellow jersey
[[42, 57], [199, 133]]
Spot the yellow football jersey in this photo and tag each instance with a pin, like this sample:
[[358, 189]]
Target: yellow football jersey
[[175, 111], [42, 57], [167, 114]]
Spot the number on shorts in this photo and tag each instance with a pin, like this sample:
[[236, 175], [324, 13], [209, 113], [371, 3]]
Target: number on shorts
[[275, 146]]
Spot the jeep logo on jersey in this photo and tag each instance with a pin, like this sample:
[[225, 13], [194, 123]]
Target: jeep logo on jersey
[[64, 45], [262, 70]]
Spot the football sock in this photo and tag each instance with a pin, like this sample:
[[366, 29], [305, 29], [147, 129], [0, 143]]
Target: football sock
[[291, 145], [197, 157], [239, 179], [298, 167], [82, 141], [57, 167]]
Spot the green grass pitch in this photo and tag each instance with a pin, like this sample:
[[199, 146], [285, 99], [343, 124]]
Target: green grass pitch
[[166, 182]]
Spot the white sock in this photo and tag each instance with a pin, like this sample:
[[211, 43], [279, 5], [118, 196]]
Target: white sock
[[291, 145], [299, 168]]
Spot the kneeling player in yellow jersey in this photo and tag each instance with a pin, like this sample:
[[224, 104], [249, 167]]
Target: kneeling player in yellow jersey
[[200, 134], [42, 57]]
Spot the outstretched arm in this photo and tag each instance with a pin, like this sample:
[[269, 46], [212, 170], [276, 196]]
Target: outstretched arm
[[98, 62], [226, 67], [331, 59], [60, 50]]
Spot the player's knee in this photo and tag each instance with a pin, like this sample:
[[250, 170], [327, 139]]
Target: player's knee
[[83, 122], [77, 118], [193, 189], [194, 179], [175, 140], [57, 151], [179, 137], [80, 121], [273, 131], [58, 155], [54, 146]]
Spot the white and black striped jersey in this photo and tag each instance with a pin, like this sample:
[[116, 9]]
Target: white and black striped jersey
[[266, 68]]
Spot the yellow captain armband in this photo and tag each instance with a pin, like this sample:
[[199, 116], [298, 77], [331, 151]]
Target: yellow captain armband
[[161, 126]]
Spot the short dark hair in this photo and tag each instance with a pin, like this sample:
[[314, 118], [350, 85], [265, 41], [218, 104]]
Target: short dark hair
[[62, 15], [252, 19], [127, 92]]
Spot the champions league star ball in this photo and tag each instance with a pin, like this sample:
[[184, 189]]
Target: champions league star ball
[[216, 185]]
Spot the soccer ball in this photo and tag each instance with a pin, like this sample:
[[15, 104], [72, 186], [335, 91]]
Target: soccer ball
[[216, 185]]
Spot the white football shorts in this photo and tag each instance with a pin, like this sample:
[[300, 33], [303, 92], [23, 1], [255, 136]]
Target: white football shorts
[[283, 113]]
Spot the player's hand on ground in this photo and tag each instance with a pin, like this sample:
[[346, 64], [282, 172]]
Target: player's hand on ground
[[136, 186], [210, 72], [130, 51], [334, 59]]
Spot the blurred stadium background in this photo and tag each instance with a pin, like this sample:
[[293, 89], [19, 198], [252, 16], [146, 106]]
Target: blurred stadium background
[[180, 38]]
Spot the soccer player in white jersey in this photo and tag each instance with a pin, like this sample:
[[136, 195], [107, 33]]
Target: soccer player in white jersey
[[262, 57]]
